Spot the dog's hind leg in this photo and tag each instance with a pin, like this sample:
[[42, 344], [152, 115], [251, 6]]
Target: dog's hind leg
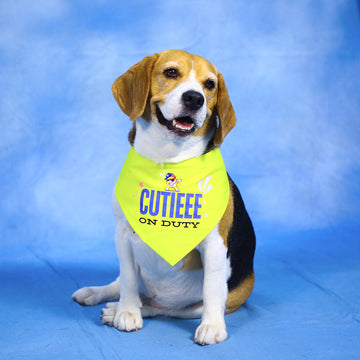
[[94, 295]]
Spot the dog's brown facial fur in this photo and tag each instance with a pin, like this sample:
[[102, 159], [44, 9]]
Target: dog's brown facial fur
[[146, 85], [184, 63]]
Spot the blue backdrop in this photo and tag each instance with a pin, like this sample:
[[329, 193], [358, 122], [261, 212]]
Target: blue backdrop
[[292, 71]]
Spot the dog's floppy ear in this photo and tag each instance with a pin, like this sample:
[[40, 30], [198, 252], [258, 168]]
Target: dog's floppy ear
[[131, 90], [225, 111]]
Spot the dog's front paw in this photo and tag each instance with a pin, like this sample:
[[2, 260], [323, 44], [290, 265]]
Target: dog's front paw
[[128, 321], [208, 334], [114, 316]]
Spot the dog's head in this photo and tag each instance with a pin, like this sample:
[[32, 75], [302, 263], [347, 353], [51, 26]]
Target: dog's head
[[183, 92]]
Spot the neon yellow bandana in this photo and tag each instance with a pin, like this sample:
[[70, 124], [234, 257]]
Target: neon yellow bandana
[[173, 206]]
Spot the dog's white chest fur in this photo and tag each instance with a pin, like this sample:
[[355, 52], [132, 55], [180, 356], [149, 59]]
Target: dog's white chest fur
[[166, 149]]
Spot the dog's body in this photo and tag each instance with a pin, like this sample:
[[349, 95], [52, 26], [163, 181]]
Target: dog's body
[[175, 99]]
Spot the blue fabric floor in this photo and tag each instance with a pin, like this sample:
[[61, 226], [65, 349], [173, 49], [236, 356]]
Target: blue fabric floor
[[305, 305]]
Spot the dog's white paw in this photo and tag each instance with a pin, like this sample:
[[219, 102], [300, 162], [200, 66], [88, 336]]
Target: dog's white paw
[[208, 334], [122, 320], [87, 296], [128, 321], [108, 314]]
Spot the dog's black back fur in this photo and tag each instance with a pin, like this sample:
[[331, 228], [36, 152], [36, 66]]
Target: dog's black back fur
[[241, 241]]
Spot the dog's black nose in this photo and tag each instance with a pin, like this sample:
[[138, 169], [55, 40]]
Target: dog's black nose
[[193, 100]]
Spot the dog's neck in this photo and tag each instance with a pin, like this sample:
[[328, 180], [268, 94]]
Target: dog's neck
[[152, 142]]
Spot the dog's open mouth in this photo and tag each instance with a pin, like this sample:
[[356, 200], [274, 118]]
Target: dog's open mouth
[[183, 125]]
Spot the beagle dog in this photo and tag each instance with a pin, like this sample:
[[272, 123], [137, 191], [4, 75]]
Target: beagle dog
[[180, 109]]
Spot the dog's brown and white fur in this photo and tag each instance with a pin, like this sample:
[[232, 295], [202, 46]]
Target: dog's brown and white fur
[[181, 109]]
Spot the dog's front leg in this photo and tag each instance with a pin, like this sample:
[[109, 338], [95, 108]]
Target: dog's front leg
[[212, 329], [127, 315]]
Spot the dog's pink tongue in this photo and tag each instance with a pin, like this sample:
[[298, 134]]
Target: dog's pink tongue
[[184, 124]]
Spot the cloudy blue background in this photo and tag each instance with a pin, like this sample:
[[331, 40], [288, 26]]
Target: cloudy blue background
[[292, 70]]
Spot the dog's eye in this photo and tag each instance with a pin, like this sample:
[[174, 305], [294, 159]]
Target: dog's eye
[[171, 73], [210, 84]]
